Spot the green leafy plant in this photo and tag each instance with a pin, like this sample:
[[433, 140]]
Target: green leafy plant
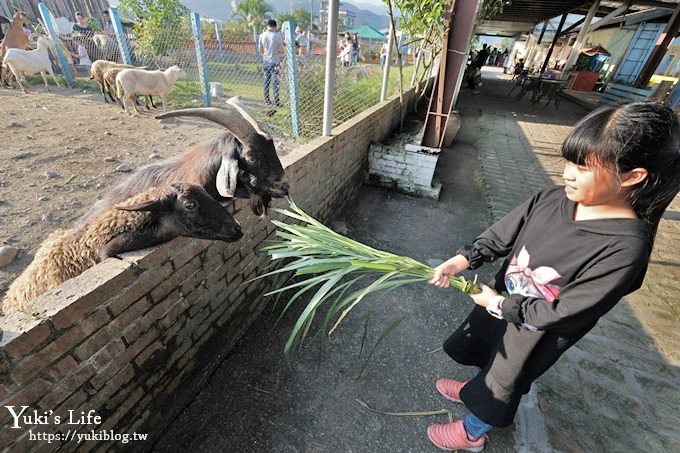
[[323, 259], [162, 25]]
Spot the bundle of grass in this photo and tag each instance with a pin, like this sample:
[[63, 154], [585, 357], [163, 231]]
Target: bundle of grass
[[319, 257]]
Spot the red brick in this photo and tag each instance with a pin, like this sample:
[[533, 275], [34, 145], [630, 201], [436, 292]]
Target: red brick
[[174, 313], [136, 329], [124, 319], [142, 286], [169, 333], [203, 334], [35, 363], [165, 288], [146, 353], [89, 302], [28, 341], [107, 354], [73, 402], [124, 408], [67, 386], [192, 250], [162, 307], [133, 350], [30, 394], [63, 367], [112, 378]]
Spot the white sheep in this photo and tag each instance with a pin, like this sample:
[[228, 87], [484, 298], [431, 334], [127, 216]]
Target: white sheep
[[150, 218], [28, 62], [131, 82]]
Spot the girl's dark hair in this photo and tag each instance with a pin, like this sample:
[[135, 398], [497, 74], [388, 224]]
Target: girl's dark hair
[[636, 135]]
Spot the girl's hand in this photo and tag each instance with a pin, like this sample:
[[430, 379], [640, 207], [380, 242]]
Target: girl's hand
[[483, 298], [449, 267]]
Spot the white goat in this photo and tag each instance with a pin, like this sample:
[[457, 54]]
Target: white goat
[[131, 82], [28, 62]]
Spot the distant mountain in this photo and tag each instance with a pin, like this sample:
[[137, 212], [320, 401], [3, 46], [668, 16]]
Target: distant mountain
[[364, 12]]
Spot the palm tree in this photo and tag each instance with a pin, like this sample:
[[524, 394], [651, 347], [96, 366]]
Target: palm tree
[[253, 11]]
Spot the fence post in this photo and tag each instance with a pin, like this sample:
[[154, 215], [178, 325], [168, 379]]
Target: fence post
[[200, 57], [288, 33], [331, 56], [218, 35], [120, 35], [47, 19], [257, 44], [388, 63]]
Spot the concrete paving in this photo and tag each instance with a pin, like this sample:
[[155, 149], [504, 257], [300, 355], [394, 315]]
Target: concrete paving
[[616, 390]]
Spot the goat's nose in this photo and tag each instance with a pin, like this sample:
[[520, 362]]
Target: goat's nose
[[237, 228]]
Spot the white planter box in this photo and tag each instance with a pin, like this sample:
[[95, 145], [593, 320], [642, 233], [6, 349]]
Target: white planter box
[[408, 169]]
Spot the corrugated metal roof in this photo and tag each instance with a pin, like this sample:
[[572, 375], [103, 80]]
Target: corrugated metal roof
[[521, 15]]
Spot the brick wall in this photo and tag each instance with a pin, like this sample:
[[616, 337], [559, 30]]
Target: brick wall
[[132, 340]]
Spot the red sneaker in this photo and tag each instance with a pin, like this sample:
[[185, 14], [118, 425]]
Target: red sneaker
[[452, 436], [450, 389]]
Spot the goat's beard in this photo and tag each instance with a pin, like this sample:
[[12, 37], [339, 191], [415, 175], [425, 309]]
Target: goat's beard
[[259, 203]]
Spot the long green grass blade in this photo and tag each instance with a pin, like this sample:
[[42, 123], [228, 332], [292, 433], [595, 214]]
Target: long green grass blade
[[317, 255]]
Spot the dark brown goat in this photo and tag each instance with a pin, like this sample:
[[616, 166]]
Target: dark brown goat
[[150, 218], [239, 164]]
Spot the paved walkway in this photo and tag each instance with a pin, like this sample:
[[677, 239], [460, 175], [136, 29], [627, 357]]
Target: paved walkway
[[617, 390]]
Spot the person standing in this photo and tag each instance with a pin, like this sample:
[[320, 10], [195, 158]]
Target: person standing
[[107, 24], [82, 27], [571, 253], [270, 45]]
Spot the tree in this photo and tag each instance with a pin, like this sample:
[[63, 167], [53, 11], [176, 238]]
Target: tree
[[253, 11], [300, 16], [161, 25]]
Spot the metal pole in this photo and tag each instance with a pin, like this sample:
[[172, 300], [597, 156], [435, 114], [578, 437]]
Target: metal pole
[[311, 24], [120, 36], [573, 55], [388, 61], [331, 43], [552, 44], [52, 30], [218, 35], [200, 57], [288, 30], [257, 44]]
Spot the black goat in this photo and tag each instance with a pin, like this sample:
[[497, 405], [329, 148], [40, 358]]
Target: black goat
[[150, 218], [241, 163]]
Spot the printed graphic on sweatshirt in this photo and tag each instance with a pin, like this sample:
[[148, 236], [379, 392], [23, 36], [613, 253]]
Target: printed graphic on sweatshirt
[[522, 279]]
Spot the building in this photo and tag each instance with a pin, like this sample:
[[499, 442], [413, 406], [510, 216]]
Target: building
[[345, 17]]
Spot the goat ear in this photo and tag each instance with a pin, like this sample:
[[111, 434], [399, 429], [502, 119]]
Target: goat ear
[[151, 205], [227, 176]]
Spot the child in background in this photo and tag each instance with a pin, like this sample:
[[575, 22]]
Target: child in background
[[573, 253], [81, 53]]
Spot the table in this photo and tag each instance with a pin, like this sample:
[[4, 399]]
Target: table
[[542, 88]]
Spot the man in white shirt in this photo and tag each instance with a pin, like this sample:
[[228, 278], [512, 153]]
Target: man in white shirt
[[270, 43]]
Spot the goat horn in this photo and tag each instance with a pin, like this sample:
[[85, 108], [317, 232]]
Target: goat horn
[[236, 124], [236, 103]]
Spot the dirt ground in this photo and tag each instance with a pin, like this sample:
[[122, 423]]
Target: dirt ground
[[61, 150]]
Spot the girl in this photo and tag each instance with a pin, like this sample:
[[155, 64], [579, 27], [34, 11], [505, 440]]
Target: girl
[[573, 253]]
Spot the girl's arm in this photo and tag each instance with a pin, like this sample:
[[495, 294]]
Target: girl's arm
[[583, 301], [497, 241]]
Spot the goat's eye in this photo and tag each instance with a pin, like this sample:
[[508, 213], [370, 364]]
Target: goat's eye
[[190, 205]]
